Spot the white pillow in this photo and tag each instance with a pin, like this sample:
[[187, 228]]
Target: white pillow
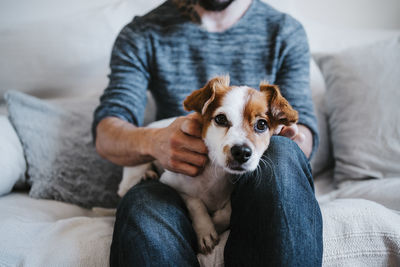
[[362, 102], [12, 161]]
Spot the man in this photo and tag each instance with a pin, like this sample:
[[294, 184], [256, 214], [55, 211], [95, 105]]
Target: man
[[172, 51]]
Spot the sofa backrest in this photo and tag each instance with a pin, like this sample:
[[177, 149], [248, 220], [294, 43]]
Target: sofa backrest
[[61, 48], [58, 48]]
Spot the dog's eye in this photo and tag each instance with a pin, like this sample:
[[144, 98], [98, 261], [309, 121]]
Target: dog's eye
[[261, 126], [221, 120]]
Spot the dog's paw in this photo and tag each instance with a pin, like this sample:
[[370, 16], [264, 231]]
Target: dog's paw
[[207, 241]]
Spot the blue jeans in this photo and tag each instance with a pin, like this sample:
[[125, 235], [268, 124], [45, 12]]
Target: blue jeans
[[276, 220]]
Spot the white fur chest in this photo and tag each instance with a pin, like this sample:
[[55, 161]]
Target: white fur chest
[[212, 186]]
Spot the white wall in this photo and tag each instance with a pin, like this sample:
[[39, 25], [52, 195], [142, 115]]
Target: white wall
[[371, 14], [362, 14], [332, 25]]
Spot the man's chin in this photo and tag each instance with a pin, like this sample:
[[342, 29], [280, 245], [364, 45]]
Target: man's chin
[[215, 5]]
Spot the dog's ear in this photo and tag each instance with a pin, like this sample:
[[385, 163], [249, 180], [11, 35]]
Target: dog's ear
[[200, 99], [279, 109]]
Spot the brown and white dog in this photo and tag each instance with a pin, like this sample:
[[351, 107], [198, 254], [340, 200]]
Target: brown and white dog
[[238, 122]]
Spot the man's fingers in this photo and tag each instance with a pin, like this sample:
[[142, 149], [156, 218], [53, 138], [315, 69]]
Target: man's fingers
[[186, 169], [191, 158], [196, 145], [195, 116], [192, 125], [186, 153], [192, 128], [289, 131], [293, 133], [190, 143], [300, 138]]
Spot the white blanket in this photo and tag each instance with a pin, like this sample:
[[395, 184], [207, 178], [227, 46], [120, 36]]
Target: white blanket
[[49, 233], [356, 232]]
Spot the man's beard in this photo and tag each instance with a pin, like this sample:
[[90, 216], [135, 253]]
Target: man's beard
[[215, 5]]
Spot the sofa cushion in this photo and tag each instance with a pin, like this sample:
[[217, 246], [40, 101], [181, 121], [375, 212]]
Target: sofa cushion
[[382, 191], [361, 101], [61, 158], [37, 232]]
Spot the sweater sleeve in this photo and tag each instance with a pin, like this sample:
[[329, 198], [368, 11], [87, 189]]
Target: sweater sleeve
[[293, 75], [125, 95]]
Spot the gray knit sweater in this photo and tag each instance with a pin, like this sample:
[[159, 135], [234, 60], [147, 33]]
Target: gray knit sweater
[[166, 53]]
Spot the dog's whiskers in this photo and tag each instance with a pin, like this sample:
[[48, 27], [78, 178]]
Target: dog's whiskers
[[258, 173]]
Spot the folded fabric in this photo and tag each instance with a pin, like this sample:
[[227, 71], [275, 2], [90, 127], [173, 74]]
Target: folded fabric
[[62, 161]]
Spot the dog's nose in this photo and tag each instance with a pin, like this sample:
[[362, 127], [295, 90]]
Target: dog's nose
[[241, 153]]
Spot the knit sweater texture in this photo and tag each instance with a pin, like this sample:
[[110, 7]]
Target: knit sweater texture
[[168, 54]]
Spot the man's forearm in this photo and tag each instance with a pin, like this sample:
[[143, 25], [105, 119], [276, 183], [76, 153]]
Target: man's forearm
[[122, 142]]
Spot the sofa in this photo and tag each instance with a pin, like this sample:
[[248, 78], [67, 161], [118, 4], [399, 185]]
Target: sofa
[[54, 68]]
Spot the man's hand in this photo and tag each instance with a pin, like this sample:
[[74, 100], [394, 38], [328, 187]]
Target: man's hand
[[179, 147], [301, 135]]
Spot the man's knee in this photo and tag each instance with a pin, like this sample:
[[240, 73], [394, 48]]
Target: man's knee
[[145, 191], [278, 201], [283, 167], [282, 149], [286, 161], [151, 220], [282, 182], [148, 212]]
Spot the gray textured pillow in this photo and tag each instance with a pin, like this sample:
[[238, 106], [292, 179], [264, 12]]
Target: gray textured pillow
[[61, 158], [363, 106]]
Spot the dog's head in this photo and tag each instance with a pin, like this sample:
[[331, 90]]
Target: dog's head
[[238, 121]]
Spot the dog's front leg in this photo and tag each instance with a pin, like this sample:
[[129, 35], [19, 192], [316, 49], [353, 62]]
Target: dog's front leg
[[207, 237], [132, 176], [222, 217]]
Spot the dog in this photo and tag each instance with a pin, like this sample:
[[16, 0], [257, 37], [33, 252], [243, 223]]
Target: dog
[[238, 122]]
